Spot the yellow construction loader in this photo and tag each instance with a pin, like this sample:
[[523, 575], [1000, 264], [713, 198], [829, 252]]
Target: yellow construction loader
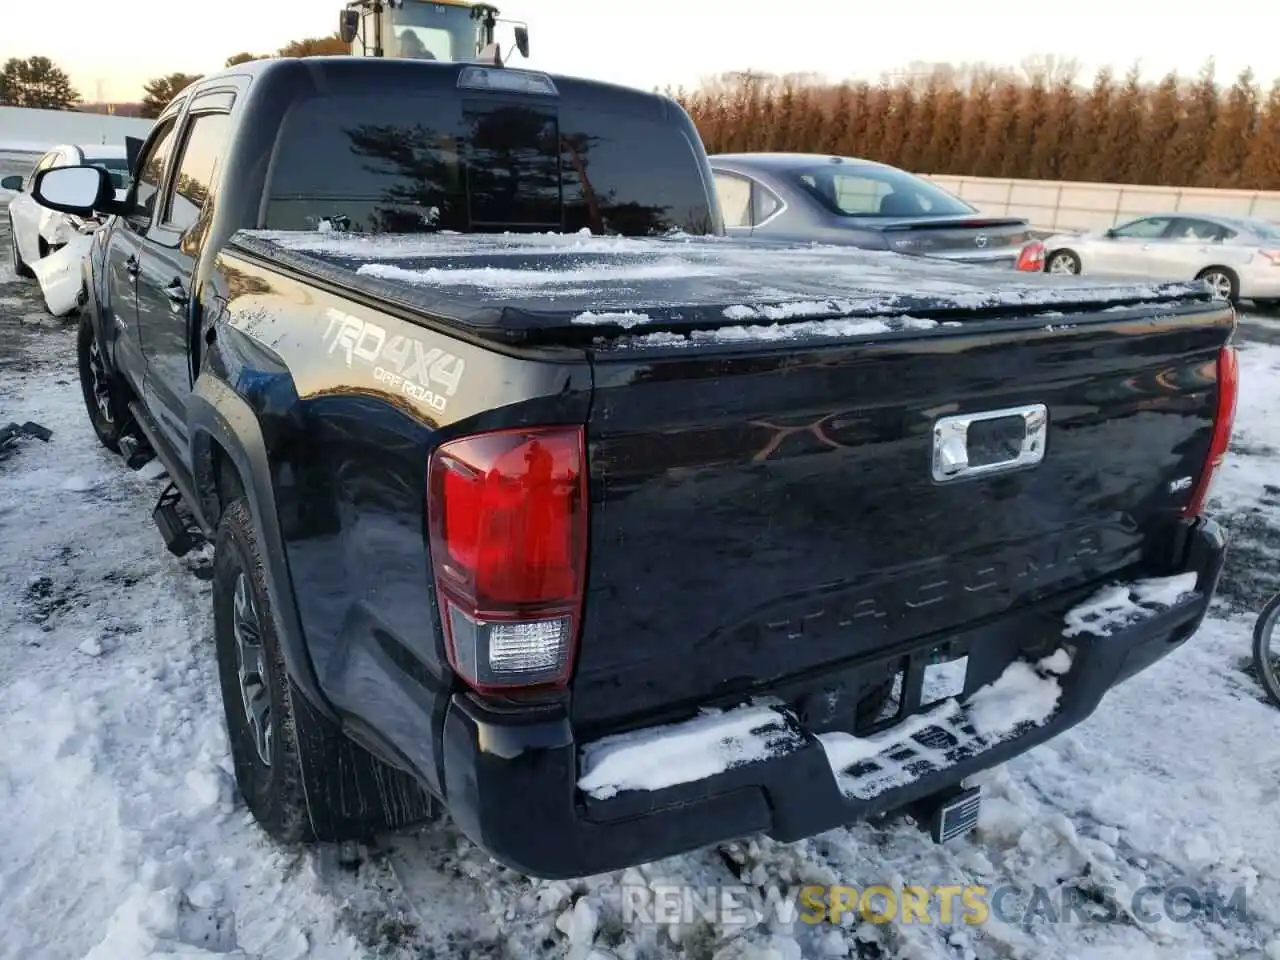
[[426, 30]]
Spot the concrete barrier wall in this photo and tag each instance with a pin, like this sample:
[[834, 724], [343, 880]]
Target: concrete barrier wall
[[1054, 206], [34, 131]]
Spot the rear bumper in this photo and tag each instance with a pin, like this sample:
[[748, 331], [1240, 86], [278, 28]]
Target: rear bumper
[[511, 781]]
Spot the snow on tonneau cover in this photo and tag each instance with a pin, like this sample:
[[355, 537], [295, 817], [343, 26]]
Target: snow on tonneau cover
[[764, 519], [514, 284]]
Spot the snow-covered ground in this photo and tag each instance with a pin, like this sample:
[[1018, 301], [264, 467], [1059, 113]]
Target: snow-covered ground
[[121, 836]]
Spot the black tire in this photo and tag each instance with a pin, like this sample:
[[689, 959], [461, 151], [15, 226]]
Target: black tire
[[1223, 280], [1068, 261], [311, 782], [19, 266], [1263, 664], [105, 398], [272, 786]]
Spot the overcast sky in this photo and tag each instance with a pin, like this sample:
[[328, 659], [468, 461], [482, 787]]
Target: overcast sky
[[114, 47]]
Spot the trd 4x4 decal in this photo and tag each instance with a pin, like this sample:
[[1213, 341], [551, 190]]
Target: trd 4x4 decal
[[427, 374]]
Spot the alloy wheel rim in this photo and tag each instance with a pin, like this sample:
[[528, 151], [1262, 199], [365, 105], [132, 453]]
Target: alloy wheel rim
[[1061, 264], [251, 669], [99, 383], [1219, 283]]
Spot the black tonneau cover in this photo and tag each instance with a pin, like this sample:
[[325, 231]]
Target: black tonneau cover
[[530, 287]]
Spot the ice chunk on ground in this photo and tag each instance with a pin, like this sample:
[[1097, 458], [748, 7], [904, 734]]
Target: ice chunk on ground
[[660, 757], [579, 924], [92, 647], [151, 470], [163, 923], [1123, 604]]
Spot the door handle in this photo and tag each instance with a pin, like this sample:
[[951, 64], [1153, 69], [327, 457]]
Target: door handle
[[176, 293], [131, 265]]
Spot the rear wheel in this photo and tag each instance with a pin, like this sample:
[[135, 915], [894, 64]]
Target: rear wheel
[[19, 266], [255, 694], [299, 774], [1223, 282], [104, 396], [1062, 261]]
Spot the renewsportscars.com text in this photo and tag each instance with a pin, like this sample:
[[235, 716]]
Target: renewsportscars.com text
[[959, 904]]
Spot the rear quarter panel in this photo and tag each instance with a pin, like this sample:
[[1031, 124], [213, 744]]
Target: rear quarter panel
[[349, 417]]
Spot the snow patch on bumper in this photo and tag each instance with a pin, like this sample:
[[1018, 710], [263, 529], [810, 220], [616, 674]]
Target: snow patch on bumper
[[707, 745], [1120, 605], [656, 758]]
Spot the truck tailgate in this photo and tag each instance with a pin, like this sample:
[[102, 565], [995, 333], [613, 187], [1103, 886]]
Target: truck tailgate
[[766, 510]]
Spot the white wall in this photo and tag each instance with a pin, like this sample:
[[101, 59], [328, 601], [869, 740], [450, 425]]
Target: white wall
[[1051, 205], [35, 131]]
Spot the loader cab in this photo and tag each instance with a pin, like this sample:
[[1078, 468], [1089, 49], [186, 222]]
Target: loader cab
[[451, 30]]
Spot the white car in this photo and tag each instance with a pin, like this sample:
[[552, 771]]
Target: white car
[[36, 231], [1239, 257]]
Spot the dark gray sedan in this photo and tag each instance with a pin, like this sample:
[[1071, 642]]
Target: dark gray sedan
[[842, 200]]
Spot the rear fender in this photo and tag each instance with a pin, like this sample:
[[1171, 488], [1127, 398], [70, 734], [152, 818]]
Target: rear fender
[[219, 418]]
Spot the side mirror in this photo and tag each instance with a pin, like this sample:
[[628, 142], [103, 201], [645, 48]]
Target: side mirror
[[1110, 234], [348, 25], [522, 40], [12, 183], [76, 190]]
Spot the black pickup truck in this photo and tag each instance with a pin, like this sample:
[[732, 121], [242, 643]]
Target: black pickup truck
[[537, 500]]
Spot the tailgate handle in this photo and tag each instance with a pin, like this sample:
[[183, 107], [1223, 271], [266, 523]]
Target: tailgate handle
[[992, 441]]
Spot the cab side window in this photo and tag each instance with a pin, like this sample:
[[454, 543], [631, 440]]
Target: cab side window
[[151, 167], [201, 150]]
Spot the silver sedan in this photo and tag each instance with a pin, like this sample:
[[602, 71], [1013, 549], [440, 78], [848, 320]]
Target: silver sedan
[[1239, 257]]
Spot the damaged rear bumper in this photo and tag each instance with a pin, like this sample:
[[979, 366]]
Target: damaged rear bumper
[[512, 780], [61, 275]]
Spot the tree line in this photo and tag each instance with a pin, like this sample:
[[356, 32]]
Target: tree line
[[39, 83], [158, 92], [1040, 125], [36, 82]]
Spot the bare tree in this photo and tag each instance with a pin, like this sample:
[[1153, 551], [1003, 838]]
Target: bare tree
[[1051, 68]]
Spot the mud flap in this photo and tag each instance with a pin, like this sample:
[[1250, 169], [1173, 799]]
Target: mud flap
[[351, 795], [60, 275]]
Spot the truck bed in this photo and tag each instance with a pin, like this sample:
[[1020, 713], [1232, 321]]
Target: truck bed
[[530, 288]]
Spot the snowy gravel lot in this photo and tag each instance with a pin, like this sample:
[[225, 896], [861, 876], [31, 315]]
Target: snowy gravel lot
[[121, 836]]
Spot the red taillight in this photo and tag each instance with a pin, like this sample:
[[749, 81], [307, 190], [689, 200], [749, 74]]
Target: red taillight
[[507, 514], [1031, 260], [1228, 388]]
